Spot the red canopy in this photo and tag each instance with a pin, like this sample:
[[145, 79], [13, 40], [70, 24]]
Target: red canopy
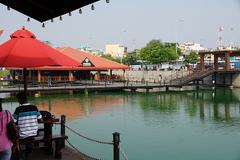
[[24, 50]]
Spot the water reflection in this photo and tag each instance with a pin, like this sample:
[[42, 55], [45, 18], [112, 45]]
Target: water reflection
[[220, 105], [74, 106], [171, 125]]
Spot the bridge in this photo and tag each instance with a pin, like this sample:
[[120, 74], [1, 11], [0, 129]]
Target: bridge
[[217, 75]]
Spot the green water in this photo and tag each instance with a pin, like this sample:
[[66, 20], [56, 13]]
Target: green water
[[202, 125]]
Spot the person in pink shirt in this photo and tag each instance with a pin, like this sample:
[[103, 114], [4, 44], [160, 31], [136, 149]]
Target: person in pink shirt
[[5, 143]]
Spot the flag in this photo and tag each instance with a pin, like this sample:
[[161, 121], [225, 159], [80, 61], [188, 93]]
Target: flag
[[1, 32]]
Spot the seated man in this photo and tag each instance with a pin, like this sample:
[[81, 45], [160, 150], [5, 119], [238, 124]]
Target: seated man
[[27, 117]]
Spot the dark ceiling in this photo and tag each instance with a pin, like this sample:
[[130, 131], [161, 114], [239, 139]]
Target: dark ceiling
[[43, 10]]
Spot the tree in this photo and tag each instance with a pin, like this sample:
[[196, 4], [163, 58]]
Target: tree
[[110, 57], [192, 57], [131, 58], [156, 52], [4, 73]]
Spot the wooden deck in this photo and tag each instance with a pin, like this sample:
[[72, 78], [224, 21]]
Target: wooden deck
[[67, 154], [108, 87]]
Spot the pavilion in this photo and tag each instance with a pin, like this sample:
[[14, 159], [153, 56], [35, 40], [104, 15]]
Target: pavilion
[[90, 67]]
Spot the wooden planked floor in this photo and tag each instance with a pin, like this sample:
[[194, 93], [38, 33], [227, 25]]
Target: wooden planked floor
[[67, 154]]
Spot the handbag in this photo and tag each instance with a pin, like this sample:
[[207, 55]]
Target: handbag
[[12, 130]]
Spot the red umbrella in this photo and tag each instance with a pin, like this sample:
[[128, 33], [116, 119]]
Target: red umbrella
[[23, 50]]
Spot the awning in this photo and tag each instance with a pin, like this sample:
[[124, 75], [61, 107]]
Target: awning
[[43, 10]]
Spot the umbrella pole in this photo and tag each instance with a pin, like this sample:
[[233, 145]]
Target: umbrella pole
[[25, 80]]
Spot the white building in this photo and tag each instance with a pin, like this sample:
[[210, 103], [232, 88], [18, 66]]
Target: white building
[[116, 50], [187, 47]]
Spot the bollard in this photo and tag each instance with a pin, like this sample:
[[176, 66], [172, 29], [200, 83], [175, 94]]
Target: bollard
[[63, 121], [116, 141]]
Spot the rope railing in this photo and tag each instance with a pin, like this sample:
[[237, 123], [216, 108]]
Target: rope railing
[[83, 155], [115, 142], [90, 139], [123, 153]]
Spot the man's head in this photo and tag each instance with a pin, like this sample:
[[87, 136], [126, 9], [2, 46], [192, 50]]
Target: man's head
[[22, 98]]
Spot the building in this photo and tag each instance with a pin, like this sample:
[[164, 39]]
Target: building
[[116, 50], [187, 47], [91, 67]]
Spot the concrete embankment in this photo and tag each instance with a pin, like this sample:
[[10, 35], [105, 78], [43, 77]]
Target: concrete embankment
[[151, 76]]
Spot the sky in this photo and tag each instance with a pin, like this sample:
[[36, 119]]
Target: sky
[[134, 23]]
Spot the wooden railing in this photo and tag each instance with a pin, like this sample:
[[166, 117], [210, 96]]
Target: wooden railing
[[196, 75]]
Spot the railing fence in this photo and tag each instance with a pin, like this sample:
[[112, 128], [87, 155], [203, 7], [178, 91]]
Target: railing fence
[[116, 142]]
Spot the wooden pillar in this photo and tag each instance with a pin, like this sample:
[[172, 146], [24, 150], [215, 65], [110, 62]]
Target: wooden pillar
[[99, 75], [227, 66], [29, 74], [70, 76], [215, 62], [124, 72], [202, 62], [39, 76], [13, 74], [25, 80], [111, 74]]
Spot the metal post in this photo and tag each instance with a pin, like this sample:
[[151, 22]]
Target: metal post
[[25, 80], [116, 141], [63, 121]]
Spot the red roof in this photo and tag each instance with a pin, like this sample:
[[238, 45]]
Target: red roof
[[23, 50], [96, 62]]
